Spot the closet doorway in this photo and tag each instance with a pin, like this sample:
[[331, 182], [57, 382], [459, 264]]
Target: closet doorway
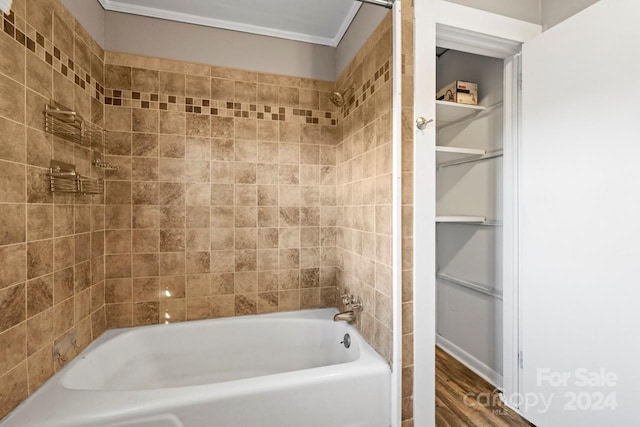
[[466, 197], [469, 213]]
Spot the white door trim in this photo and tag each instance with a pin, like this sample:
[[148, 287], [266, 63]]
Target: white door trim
[[486, 28], [511, 249], [424, 216], [396, 371]]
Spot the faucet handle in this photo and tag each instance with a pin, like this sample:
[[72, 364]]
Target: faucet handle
[[346, 299], [351, 300]]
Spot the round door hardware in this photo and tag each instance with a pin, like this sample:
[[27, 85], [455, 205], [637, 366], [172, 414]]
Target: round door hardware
[[422, 123]]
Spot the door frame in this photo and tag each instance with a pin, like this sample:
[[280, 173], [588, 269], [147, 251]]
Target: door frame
[[511, 306], [472, 30], [397, 356]]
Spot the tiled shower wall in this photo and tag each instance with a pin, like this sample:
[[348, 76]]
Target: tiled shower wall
[[51, 248], [236, 193], [364, 186], [225, 201]]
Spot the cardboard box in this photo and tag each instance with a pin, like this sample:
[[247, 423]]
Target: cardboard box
[[459, 91]]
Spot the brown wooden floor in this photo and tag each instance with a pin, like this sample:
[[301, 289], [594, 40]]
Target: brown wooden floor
[[483, 406]]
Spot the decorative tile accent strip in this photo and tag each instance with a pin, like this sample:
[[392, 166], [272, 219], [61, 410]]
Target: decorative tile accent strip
[[44, 49], [368, 89], [154, 101]]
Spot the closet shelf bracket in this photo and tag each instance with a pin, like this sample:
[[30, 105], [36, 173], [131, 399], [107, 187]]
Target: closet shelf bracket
[[471, 114], [471, 159], [470, 285]]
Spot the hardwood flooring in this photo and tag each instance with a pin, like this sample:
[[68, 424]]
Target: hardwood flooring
[[465, 399]]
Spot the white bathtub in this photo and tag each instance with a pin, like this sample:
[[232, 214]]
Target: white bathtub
[[280, 370]]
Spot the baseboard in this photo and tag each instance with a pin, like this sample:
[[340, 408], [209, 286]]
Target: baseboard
[[484, 371], [507, 403]]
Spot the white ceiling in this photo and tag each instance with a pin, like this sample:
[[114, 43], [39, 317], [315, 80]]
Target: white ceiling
[[314, 21]]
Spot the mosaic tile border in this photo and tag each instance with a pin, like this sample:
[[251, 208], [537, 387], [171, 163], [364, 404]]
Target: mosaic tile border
[[44, 49], [154, 101], [52, 55], [381, 76]]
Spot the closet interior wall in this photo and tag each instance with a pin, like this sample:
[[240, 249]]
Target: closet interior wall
[[469, 323]]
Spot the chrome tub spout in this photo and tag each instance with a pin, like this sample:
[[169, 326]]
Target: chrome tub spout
[[347, 316]]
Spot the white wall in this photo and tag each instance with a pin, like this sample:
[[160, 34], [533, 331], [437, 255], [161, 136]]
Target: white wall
[[362, 26], [579, 210], [525, 10], [554, 11], [91, 15], [187, 42], [545, 12]]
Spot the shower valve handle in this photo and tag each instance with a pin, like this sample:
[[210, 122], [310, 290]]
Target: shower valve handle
[[355, 303], [346, 299]]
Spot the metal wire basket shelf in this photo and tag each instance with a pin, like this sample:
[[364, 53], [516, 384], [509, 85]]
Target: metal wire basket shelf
[[68, 125], [63, 178]]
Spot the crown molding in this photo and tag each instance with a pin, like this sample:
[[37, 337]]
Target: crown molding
[[480, 44], [346, 23], [119, 6]]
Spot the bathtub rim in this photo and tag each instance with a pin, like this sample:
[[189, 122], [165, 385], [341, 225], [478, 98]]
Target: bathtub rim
[[366, 353], [59, 400]]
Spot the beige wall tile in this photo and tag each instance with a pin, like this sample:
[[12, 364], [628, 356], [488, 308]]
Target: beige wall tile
[[40, 368], [12, 62], [13, 176], [146, 313], [118, 76], [13, 388], [222, 306], [143, 80], [267, 94], [38, 75], [289, 300], [39, 295], [222, 127], [12, 107], [146, 289], [222, 89], [172, 123], [267, 302], [12, 224], [13, 347], [13, 301], [171, 83]]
